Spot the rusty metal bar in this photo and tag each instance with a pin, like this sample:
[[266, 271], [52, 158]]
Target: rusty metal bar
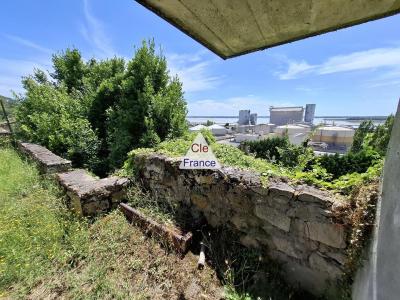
[[174, 237], [6, 116]]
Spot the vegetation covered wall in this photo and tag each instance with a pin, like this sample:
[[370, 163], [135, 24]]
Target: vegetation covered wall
[[304, 228]]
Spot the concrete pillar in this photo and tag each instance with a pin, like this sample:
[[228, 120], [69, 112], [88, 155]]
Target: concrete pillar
[[379, 278]]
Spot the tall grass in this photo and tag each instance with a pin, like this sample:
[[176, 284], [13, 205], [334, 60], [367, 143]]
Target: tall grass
[[36, 231], [47, 253]]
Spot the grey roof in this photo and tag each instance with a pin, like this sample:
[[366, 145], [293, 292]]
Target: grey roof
[[292, 108]]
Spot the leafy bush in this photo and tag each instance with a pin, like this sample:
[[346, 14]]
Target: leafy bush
[[151, 107], [56, 120], [360, 134], [94, 112], [379, 138], [267, 148], [338, 165], [308, 169], [279, 149], [367, 136]]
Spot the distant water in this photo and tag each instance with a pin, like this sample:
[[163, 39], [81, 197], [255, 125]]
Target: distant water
[[337, 120]]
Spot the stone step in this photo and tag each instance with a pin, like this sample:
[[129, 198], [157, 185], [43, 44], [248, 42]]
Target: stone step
[[90, 196], [47, 161]]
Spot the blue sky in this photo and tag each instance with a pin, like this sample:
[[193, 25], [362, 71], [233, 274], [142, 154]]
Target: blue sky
[[355, 71]]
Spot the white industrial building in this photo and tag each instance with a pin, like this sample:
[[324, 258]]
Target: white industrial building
[[293, 114], [286, 115], [197, 128], [297, 134], [217, 130], [335, 136]]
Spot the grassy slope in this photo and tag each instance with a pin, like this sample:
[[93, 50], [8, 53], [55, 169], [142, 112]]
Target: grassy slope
[[47, 253]]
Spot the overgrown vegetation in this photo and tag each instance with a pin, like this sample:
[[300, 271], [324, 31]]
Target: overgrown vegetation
[[227, 155], [47, 253], [244, 272], [94, 112], [297, 163], [368, 136], [363, 202]]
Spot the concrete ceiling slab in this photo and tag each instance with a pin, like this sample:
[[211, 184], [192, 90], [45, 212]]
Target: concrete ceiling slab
[[234, 27]]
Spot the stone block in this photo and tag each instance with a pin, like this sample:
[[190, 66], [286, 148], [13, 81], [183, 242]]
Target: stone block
[[325, 264], [95, 207], [310, 212], [313, 195], [89, 195], [281, 189], [48, 162], [273, 216], [336, 254], [327, 233], [286, 245], [249, 241]]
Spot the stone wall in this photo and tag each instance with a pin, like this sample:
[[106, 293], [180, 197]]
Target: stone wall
[[47, 161], [90, 196], [300, 226], [86, 194]]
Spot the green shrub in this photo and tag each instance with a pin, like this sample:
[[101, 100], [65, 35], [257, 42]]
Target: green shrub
[[365, 127], [280, 150], [308, 169], [53, 118], [378, 140], [368, 136], [151, 107], [267, 148], [339, 165], [94, 112]]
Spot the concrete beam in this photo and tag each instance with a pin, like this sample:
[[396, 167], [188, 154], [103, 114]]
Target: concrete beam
[[234, 27]]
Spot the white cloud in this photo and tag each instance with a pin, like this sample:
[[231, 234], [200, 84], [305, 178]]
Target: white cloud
[[372, 59], [231, 106], [294, 69], [28, 43], [12, 70], [193, 71], [93, 31]]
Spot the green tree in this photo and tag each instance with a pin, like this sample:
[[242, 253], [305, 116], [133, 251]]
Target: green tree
[[51, 117], [379, 138], [94, 112], [268, 148], [360, 134], [151, 107], [69, 69]]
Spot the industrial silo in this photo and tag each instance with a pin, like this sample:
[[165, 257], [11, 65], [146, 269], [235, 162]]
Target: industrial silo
[[309, 114], [297, 134], [334, 136], [244, 117], [253, 119]]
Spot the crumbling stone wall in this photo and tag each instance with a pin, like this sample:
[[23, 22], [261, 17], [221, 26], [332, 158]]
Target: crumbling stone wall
[[89, 196], [300, 226], [47, 161]]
